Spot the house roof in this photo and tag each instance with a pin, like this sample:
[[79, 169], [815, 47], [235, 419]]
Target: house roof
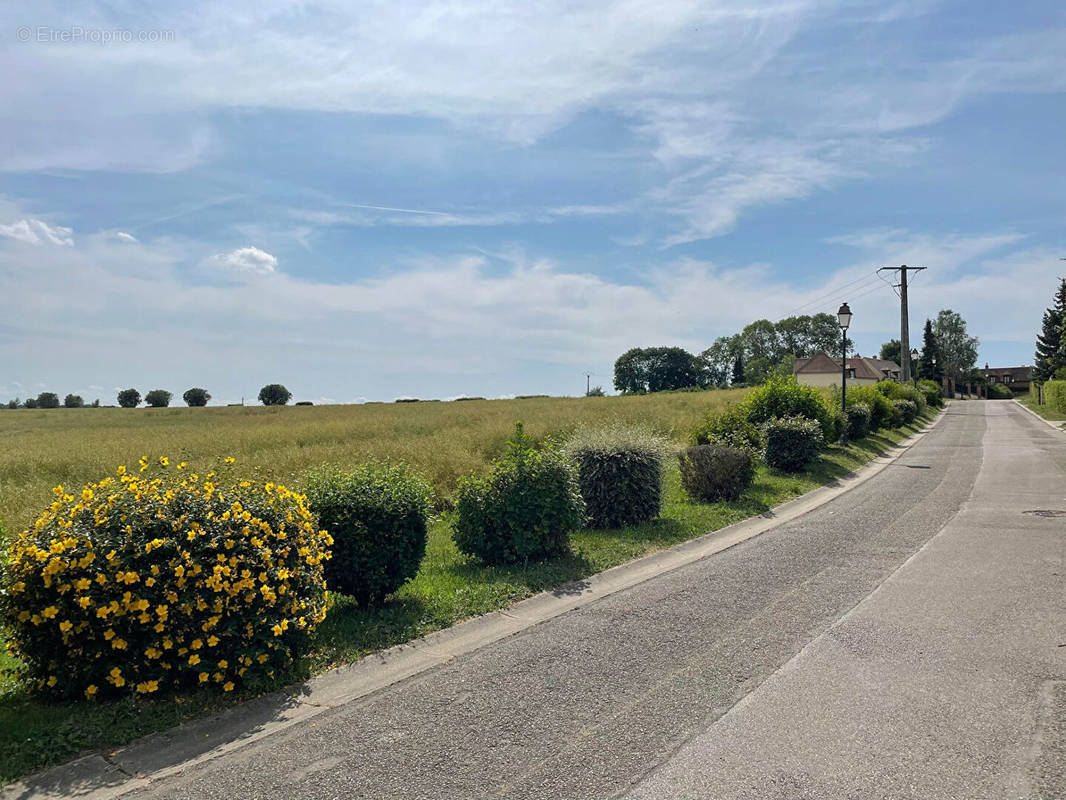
[[872, 368], [1018, 373]]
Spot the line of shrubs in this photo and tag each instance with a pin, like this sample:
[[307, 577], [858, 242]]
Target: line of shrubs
[[165, 579]]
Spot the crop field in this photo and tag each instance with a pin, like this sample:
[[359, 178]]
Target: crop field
[[443, 440]]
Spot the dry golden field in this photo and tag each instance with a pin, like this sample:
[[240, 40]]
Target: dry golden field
[[42, 448]]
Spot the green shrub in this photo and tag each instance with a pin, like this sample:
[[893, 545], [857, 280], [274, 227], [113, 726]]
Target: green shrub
[[73, 401], [792, 442], [730, 428], [524, 509], [377, 517], [997, 391], [196, 397], [714, 472], [908, 410], [931, 390], [620, 472], [30, 402], [881, 410], [158, 398], [858, 420], [129, 398], [303, 403], [783, 397], [47, 400], [903, 391], [1055, 395], [142, 584]]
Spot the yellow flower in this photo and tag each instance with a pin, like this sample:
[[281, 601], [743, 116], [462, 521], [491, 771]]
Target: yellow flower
[[17, 587], [277, 630], [164, 461], [109, 634], [212, 641], [227, 686], [202, 677], [196, 644], [82, 584], [147, 687], [119, 644], [84, 602], [227, 459], [90, 691], [65, 625], [50, 612], [86, 494], [52, 680], [153, 652], [194, 659], [121, 470], [223, 664]]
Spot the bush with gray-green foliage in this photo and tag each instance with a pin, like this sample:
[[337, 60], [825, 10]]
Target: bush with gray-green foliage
[[792, 442], [524, 509], [858, 420], [713, 472], [620, 472], [377, 517], [907, 409]]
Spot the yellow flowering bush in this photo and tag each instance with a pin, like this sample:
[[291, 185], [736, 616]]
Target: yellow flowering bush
[[157, 579]]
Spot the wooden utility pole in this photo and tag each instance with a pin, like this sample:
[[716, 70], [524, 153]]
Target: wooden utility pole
[[588, 383], [904, 319]]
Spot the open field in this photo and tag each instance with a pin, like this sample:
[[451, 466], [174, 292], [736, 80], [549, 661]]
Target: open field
[[449, 585], [39, 449]]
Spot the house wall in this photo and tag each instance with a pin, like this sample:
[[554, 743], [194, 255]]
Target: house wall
[[830, 379]]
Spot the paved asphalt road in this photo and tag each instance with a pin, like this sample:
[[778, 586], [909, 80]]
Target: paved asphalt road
[[902, 641]]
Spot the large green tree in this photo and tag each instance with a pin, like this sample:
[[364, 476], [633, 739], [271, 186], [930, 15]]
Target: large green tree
[[958, 350], [930, 363], [657, 369], [890, 350], [1050, 353]]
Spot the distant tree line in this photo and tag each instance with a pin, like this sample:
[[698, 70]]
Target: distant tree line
[[747, 357]]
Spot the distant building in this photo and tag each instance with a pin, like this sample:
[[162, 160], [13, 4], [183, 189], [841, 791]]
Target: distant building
[[1017, 379], [823, 370]]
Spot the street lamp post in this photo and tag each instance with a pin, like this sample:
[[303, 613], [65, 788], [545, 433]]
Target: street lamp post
[[914, 370], [844, 320]]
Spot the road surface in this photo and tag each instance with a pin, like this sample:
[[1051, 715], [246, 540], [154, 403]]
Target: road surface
[[905, 640]]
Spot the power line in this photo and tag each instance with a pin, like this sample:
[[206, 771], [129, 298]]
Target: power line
[[830, 293]]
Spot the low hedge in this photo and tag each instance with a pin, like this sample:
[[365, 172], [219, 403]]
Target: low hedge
[[1055, 395], [792, 443], [908, 410], [377, 517], [144, 583], [858, 421], [524, 509], [881, 410], [714, 472], [997, 391], [620, 473]]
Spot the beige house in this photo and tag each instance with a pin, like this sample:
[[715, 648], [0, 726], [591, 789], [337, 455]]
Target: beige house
[[823, 370]]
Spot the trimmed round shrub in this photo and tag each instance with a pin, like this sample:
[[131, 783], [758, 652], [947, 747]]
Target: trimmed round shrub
[[196, 397], [524, 509], [908, 410], [730, 428], [129, 398], [792, 443], [377, 517], [714, 472], [784, 397], [158, 398], [881, 410], [858, 420], [152, 581], [274, 394], [620, 473]]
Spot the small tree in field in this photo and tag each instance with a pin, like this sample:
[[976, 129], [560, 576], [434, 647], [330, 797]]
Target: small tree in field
[[129, 398], [274, 394], [31, 402], [47, 400], [158, 398], [196, 397], [73, 401]]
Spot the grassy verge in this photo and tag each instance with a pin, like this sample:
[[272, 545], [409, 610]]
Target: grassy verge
[[449, 587], [1046, 411]]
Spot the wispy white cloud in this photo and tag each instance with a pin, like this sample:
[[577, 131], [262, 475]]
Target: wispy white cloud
[[248, 260], [122, 236], [38, 232]]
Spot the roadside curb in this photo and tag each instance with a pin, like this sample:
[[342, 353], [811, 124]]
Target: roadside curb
[[1051, 423], [102, 776]]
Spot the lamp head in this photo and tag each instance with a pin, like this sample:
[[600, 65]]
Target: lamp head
[[844, 317]]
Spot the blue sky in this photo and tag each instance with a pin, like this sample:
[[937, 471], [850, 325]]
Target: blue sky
[[374, 200]]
